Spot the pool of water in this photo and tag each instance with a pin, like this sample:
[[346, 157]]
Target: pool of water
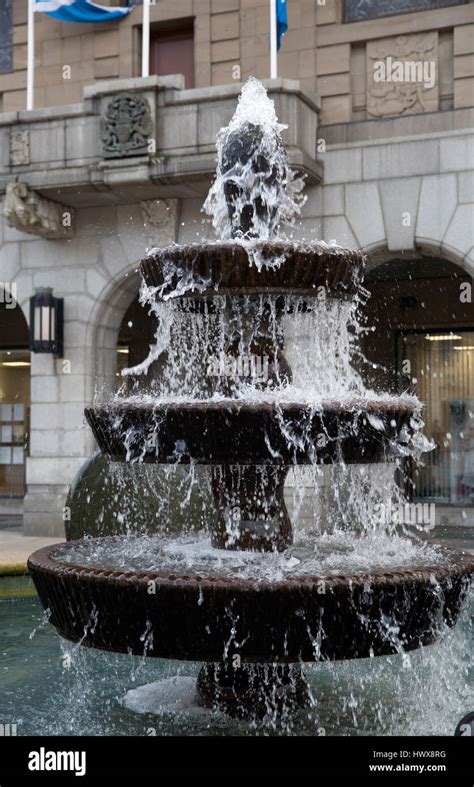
[[49, 687], [326, 555]]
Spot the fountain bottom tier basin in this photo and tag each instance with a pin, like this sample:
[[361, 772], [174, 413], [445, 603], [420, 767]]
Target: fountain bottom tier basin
[[179, 598]]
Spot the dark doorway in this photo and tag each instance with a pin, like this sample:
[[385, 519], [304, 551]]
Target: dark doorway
[[14, 398], [423, 343]]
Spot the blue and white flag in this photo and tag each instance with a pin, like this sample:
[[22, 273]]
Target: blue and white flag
[[79, 11], [282, 20]]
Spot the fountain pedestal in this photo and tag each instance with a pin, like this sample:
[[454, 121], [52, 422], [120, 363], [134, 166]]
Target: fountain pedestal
[[253, 690]]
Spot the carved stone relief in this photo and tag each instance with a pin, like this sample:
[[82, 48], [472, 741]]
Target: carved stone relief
[[27, 211], [126, 126], [402, 75], [19, 148], [160, 218]]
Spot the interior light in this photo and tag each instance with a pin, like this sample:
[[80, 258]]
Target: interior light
[[443, 337]]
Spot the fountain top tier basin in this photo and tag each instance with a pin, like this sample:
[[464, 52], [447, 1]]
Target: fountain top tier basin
[[213, 615], [233, 431], [242, 268]]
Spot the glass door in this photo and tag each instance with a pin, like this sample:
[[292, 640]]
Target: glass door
[[14, 420], [440, 370]]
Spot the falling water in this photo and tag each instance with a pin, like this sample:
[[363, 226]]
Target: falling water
[[259, 176], [204, 352], [277, 350]]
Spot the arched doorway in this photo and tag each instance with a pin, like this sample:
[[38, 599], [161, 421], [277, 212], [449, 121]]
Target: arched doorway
[[14, 397], [423, 343]]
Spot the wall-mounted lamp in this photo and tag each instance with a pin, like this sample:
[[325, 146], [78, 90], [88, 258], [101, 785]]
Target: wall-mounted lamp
[[46, 322]]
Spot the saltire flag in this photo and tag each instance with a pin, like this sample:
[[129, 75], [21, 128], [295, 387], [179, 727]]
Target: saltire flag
[[281, 20], [79, 11]]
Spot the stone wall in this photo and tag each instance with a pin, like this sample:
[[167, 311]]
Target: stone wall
[[231, 42], [346, 53], [404, 195]]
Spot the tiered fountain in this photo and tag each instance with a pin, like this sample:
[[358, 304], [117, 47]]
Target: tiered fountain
[[249, 599]]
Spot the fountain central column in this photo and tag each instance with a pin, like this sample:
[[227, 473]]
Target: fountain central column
[[252, 514], [252, 510], [253, 690]]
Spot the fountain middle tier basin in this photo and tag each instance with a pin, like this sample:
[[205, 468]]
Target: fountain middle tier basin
[[233, 431], [203, 604], [241, 268]]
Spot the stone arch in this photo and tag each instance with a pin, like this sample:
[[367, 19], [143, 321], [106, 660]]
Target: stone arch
[[447, 252], [437, 223], [379, 254], [103, 329], [116, 282]]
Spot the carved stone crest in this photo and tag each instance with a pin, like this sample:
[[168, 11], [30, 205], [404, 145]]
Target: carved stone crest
[[126, 126], [402, 75], [26, 211], [19, 148], [160, 218]]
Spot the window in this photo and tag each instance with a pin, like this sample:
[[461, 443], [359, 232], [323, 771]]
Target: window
[[442, 364], [6, 36], [172, 52], [357, 10]]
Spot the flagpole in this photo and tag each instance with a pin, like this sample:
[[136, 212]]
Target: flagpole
[[273, 40], [30, 56], [146, 39]]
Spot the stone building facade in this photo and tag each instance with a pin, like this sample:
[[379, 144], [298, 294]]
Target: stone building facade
[[328, 55], [389, 166]]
